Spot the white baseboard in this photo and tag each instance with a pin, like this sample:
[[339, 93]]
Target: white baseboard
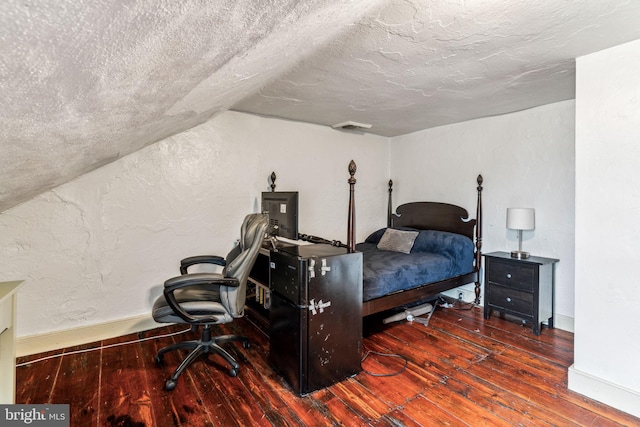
[[563, 322], [40, 343], [604, 391]]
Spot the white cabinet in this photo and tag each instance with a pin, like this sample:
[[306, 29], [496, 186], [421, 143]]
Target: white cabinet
[[8, 298]]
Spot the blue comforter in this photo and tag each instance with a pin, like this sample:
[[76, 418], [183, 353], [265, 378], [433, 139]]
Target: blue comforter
[[435, 256]]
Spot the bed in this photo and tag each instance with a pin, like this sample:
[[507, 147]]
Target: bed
[[444, 252]]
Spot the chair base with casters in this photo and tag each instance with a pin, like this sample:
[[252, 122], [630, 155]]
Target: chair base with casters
[[205, 345]]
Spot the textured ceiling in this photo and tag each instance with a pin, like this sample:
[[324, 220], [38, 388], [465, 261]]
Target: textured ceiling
[[85, 82], [419, 64]]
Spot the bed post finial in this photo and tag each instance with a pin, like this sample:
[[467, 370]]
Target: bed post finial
[[351, 220], [273, 181], [478, 237]]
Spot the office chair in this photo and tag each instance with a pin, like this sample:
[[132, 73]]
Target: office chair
[[205, 299]]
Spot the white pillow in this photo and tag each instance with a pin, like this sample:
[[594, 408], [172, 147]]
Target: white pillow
[[397, 240]]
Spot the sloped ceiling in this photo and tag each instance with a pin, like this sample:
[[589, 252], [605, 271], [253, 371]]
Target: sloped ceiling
[[85, 82]]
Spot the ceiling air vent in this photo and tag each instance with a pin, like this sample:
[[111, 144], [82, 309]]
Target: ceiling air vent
[[349, 125]]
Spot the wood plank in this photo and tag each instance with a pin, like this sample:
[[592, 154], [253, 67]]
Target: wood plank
[[77, 384], [459, 332], [529, 385], [360, 400], [420, 412], [124, 396], [345, 414], [395, 389], [218, 389], [191, 400], [463, 409], [170, 409], [431, 348], [511, 333], [35, 381], [267, 385], [514, 409]]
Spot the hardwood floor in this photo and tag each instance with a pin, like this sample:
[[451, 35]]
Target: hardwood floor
[[461, 370]]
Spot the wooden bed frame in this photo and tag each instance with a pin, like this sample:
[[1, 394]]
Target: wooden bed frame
[[429, 216]]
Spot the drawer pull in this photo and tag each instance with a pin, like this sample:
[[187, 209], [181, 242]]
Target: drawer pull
[[508, 299], [508, 275]]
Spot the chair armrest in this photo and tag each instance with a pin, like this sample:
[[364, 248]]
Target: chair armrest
[[190, 280], [199, 279], [201, 259]]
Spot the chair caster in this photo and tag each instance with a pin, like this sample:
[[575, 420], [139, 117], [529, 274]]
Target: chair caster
[[246, 344], [158, 360], [170, 385], [233, 372]]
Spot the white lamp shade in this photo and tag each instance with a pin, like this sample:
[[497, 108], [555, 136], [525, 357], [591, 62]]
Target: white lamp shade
[[521, 218]]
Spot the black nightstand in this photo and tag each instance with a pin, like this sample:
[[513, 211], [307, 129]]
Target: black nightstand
[[523, 288]]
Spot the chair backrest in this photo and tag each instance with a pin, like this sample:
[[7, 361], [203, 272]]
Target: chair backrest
[[240, 261]]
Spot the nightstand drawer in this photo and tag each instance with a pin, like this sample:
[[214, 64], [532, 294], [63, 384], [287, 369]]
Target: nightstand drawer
[[512, 275], [512, 300]]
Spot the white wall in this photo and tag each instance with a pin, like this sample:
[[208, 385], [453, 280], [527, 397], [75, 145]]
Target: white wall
[[607, 344], [526, 160], [99, 248]]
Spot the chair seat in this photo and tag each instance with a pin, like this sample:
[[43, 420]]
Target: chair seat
[[195, 300]]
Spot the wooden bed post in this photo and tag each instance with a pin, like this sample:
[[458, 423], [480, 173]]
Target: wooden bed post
[[351, 221], [478, 238], [389, 205]]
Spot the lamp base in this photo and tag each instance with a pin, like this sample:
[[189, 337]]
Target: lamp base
[[519, 254]]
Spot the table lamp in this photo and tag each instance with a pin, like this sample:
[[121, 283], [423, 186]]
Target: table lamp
[[520, 219]]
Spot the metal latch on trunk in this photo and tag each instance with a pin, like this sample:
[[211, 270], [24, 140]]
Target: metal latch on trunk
[[311, 268], [318, 307], [324, 267]]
